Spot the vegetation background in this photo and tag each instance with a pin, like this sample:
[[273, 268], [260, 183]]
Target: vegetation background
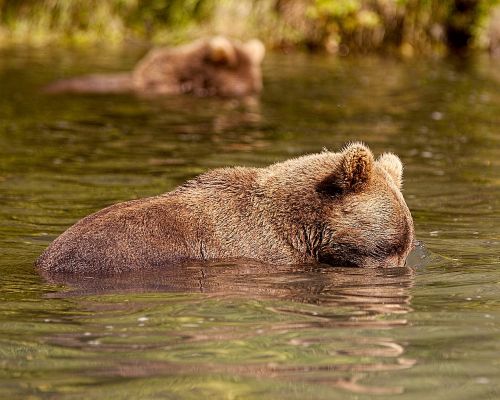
[[407, 27]]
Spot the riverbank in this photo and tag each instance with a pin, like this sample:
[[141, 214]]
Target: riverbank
[[403, 27]]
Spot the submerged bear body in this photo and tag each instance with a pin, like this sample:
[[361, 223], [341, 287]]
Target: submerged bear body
[[338, 208], [214, 67]]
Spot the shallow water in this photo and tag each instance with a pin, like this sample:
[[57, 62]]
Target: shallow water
[[244, 330]]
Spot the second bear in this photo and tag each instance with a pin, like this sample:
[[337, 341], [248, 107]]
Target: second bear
[[213, 67]]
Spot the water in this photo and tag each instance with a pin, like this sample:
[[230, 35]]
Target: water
[[244, 330]]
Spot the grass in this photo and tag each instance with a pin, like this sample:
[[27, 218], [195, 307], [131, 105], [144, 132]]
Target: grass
[[337, 26]]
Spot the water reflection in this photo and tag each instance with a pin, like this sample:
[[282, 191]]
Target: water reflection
[[374, 290], [301, 310]]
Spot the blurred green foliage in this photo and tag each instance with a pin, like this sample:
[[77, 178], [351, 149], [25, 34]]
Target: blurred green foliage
[[407, 26], [43, 21]]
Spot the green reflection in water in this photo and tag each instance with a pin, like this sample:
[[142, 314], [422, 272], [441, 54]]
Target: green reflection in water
[[245, 330]]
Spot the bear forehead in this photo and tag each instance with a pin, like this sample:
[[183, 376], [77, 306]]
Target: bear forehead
[[379, 199]]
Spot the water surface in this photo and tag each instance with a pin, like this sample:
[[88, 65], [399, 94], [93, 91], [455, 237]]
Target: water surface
[[244, 330]]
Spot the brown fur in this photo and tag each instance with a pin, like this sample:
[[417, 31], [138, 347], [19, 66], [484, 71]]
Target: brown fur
[[217, 66], [337, 208], [493, 34]]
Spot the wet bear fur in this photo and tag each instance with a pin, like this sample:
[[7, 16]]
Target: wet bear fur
[[343, 209], [213, 67]]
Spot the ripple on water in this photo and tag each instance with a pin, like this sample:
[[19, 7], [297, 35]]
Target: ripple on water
[[245, 330]]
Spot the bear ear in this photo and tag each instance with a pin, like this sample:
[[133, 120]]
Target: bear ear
[[221, 51], [394, 167], [353, 171], [255, 50]]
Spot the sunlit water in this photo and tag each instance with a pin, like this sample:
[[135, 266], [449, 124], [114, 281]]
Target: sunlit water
[[248, 331]]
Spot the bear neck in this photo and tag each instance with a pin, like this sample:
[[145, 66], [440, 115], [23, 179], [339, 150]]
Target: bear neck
[[279, 203], [297, 210]]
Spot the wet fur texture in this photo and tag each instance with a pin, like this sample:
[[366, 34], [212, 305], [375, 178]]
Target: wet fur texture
[[344, 209], [213, 67]]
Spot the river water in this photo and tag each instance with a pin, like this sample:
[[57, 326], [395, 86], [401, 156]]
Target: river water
[[245, 330]]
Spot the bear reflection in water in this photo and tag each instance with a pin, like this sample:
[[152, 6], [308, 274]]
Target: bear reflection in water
[[342, 209], [320, 307], [214, 67], [371, 291]]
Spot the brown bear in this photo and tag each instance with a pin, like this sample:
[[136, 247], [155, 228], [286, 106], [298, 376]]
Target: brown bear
[[214, 67], [343, 209]]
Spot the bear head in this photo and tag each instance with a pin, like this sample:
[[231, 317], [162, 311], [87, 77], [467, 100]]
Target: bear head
[[346, 208], [367, 220], [236, 67]]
